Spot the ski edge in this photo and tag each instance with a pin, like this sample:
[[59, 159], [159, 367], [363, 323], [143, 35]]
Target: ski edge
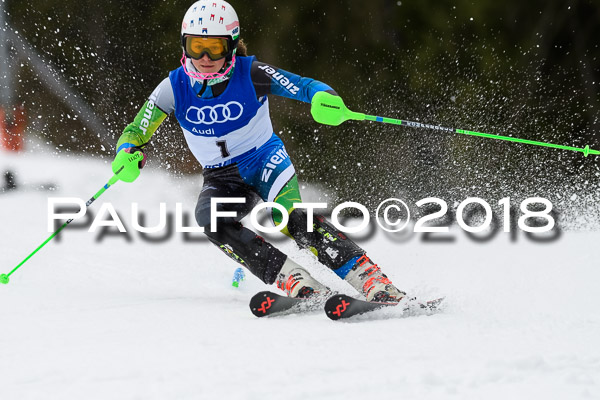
[[270, 304], [342, 306]]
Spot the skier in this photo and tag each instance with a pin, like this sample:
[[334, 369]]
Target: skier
[[9, 181], [219, 97]]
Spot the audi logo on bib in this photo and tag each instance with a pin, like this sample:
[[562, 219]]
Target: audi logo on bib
[[218, 114]]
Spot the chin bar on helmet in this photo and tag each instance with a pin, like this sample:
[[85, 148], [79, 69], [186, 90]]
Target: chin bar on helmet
[[205, 76]]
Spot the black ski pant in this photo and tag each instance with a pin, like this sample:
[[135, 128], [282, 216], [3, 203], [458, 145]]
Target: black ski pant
[[333, 248]]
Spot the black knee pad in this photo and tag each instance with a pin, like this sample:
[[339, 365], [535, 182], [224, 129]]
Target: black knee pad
[[247, 248], [332, 247]]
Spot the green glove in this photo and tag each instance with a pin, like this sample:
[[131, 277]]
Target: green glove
[[330, 109], [128, 162]]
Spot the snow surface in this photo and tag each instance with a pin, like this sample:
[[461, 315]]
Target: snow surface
[[85, 319]]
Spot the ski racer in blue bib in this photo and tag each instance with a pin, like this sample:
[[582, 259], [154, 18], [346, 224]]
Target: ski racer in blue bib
[[219, 96]]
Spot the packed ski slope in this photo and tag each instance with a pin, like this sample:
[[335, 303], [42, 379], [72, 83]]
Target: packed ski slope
[[90, 319]]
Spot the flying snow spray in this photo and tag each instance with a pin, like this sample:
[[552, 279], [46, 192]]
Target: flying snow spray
[[329, 109], [238, 276]]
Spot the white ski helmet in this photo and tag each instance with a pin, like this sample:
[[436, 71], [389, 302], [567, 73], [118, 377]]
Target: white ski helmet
[[210, 18]]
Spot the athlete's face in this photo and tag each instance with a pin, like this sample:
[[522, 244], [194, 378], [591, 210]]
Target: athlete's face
[[207, 66]]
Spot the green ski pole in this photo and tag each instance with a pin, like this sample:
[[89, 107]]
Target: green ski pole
[[4, 278], [330, 110], [128, 159]]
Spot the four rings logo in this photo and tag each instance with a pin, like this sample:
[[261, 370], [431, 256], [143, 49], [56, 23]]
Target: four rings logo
[[218, 114]]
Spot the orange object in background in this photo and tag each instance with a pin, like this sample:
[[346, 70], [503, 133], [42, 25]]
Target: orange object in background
[[12, 133]]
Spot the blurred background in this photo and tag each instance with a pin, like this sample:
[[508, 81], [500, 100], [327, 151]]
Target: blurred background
[[74, 74]]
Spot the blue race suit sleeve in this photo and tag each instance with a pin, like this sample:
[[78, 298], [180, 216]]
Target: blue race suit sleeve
[[268, 79]]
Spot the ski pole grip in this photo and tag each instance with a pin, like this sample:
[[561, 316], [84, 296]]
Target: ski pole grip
[[113, 180]]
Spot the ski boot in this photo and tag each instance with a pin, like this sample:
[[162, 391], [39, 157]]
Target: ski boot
[[368, 279], [297, 282]]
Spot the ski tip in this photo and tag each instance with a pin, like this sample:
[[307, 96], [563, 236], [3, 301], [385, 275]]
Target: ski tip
[[4, 279], [434, 304]]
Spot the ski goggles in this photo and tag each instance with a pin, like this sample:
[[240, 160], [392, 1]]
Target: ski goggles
[[214, 47]]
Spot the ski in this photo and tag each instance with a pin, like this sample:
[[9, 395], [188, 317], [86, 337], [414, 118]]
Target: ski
[[342, 306], [267, 303]]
